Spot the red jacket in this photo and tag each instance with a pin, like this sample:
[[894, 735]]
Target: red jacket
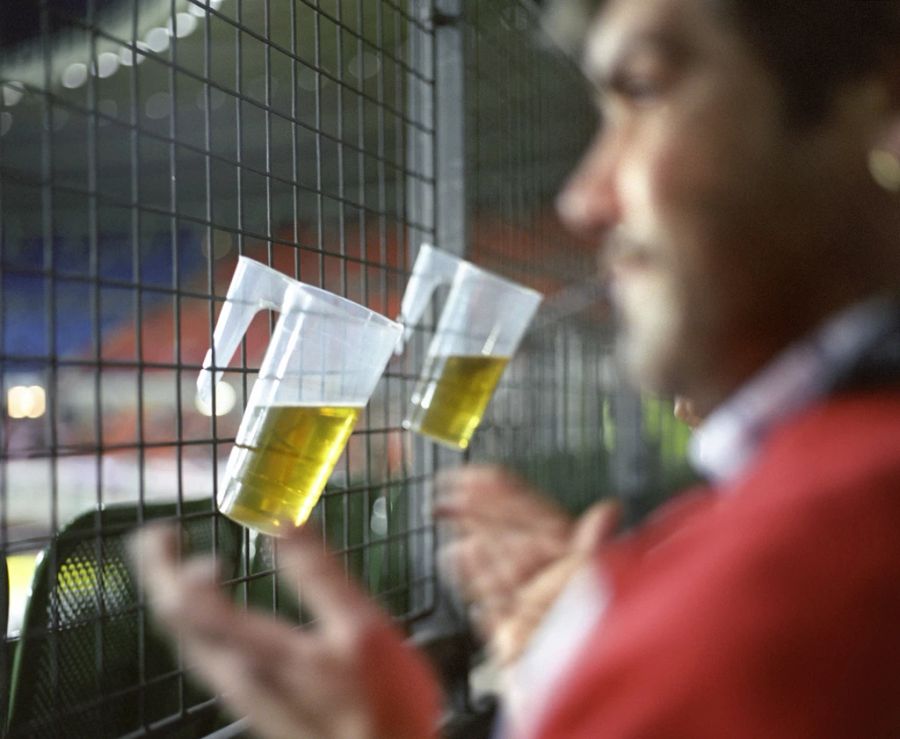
[[770, 609]]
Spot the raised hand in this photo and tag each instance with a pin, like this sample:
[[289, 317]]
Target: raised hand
[[514, 550], [350, 676]]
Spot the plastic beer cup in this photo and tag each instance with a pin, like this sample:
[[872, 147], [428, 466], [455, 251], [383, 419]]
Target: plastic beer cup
[[323, 361], [479, 330]]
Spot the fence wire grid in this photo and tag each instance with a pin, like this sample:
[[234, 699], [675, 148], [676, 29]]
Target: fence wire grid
[[144, 146]]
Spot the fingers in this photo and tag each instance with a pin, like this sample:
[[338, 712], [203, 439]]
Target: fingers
[[490, 571], [597, 524], [486, 565], [339, 604], [480, 583], [513, 633], [299, 689], [189, 601], [303, 690], [477, 484], [511, 576], [289, 682], [154, 552], [502, 566], [489, 495], [396, 685], [686, 412]]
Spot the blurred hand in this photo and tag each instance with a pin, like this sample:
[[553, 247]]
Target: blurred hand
[[686, 412], [349, 677], [514, 551]]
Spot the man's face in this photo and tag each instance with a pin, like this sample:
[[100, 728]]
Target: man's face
[[707, 201]]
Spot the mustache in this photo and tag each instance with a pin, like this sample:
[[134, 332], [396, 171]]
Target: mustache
[[618, 246], [574, 299], [596, 290]]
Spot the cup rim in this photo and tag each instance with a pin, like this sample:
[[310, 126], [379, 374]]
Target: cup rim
[[356, 311], [362, 312], [504, 281]]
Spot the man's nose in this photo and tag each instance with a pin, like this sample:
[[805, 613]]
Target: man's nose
[[589, 202]]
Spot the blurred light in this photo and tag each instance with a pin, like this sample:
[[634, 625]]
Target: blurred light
[[197, 10], [884, 167], [216, 98], [306, 79], [107, 64], [128, 56], [158, 105], [5, 122], [257, 87], [379, 520], [183, 25], [157, 39], [215, 4], [75, 75], [222, 244], [12, 93], [364, 67], [226, 397], [26, 401]]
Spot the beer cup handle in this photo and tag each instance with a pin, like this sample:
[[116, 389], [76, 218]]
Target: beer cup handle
[[254, 287], [432, 268]]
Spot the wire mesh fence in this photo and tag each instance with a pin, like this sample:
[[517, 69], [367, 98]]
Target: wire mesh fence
[[564, 417], [145, 146], [528, 118]]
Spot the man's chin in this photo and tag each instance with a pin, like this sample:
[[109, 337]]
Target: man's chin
[[648, 366]]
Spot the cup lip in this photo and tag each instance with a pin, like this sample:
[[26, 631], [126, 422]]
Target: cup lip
[[504, 281], [359, 311]]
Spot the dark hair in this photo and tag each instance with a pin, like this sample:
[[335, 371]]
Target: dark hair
[[811, 46], [815, 46]]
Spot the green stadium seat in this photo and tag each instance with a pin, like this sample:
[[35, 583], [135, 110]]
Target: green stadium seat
[[89, 663]]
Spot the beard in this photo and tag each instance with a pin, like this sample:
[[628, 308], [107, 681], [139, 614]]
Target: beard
[[650, 322]]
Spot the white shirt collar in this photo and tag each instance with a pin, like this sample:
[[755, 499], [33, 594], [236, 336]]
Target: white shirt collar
[[728, 440]]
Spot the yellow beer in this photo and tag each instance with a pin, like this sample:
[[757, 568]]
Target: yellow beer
[[283, 463], [451, 395]]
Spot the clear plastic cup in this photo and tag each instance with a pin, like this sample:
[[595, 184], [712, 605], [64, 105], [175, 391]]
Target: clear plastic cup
[[479, 330], [324, 359]]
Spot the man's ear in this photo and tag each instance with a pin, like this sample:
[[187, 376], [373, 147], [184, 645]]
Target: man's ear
[[890, 138], [884, 154], [884, 157]]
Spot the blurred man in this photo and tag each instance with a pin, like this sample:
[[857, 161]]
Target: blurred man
[[746, 186]]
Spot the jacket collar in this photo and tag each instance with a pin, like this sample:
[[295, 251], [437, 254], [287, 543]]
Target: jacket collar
[[858, 346]]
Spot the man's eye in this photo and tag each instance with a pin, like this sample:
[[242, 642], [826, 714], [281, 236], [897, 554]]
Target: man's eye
[[639, 90]]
